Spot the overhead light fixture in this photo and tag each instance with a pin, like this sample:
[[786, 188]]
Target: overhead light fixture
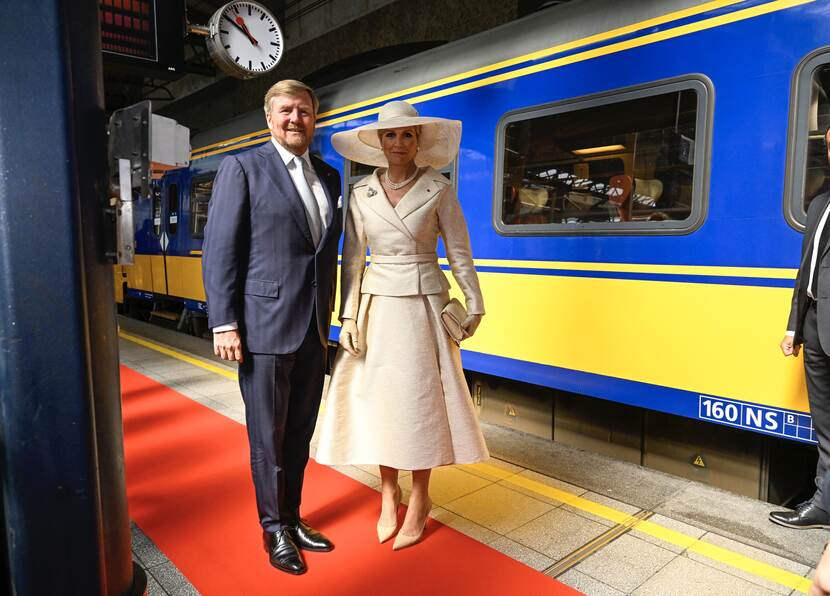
[[594, 150]]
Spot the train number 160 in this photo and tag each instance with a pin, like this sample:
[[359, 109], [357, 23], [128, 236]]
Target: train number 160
[[720, 411]]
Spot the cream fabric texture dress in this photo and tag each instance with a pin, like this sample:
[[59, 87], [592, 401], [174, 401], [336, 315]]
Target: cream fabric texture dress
[[403, 402]]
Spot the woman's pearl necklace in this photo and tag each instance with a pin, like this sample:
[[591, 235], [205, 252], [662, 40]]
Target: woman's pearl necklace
[[397, 185]]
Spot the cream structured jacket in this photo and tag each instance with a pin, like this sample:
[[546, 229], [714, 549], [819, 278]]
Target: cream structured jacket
[[402, 241]]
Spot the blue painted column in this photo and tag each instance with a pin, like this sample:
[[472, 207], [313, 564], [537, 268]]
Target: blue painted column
[[63, 497]]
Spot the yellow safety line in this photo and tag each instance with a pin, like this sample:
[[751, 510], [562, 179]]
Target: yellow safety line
[[591, 547], [614, 48], [774, 6], [716, 553], [179, 355]]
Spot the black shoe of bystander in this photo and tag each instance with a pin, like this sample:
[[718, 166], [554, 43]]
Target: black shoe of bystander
[[806, 515]]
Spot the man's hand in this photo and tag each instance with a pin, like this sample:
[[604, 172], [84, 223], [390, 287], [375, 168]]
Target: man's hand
[[349, 337], [788, 347], [471, 323], [228, 345]]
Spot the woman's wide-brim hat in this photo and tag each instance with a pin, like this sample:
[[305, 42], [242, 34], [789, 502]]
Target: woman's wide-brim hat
[[438, 139]]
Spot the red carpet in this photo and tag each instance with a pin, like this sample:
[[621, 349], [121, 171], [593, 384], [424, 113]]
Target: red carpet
[[189, 488]]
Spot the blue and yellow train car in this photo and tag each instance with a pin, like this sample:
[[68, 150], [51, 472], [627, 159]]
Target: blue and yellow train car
[[635, 178]]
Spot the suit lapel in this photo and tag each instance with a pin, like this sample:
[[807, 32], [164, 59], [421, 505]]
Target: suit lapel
[[274, 167], [375, 199], [425, 188]]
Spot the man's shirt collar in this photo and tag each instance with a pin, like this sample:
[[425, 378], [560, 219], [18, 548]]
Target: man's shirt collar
[[287, 156]]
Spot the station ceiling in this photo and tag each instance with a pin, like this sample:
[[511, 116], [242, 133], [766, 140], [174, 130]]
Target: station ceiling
[[122, 87], [125, 86]]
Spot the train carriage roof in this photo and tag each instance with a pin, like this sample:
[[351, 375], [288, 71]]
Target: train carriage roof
[[550, 27]]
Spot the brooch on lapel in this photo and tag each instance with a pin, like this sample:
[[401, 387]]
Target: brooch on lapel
[[371, 192]]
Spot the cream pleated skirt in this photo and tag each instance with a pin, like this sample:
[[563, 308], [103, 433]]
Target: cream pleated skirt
[[403, 402]]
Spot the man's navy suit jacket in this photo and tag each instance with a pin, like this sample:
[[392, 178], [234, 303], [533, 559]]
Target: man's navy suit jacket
[[259, 264]]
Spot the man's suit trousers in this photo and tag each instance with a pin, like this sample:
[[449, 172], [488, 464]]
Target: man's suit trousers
[[282, 397], [817, 369]]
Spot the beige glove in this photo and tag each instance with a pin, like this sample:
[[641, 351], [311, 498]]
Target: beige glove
[[471, 323], [349, 337]]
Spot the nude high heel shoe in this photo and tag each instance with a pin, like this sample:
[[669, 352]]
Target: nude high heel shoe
[[403, 540], [386, 532]]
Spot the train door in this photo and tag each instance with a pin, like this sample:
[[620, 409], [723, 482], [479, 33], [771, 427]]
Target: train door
[[169, 230]]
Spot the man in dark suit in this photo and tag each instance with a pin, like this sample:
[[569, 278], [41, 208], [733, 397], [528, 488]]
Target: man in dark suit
[[809, 324], [269, 263]]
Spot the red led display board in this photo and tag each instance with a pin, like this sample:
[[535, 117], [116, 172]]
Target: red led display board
[[128, 28], [144, 35]]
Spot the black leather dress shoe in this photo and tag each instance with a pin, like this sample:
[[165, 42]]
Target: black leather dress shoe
[[307, 538], [282, 552], [807, 515]]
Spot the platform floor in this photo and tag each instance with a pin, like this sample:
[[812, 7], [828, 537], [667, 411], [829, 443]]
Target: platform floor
[[602, 526]]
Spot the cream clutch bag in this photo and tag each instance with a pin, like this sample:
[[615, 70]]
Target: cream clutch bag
[[453, 317]]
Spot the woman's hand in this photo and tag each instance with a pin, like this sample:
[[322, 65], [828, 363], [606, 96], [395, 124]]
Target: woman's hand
[[349, 337], [471, 323]]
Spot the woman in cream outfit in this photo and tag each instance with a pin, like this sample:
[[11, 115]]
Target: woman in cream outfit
[[397, 396]]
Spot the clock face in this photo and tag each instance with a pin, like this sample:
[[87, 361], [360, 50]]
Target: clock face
[[246, 40]]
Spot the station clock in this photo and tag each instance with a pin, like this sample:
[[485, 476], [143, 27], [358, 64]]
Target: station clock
[[244, 39]]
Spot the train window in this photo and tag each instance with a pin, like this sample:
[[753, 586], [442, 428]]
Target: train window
[[173, 208], [631, 161], [199, 198], [157, 210], [807, 168]]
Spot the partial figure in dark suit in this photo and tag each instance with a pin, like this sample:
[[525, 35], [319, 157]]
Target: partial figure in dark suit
[[269, 263], [809, 324]]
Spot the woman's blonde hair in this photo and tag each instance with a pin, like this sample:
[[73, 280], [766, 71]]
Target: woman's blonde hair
[[417, 130], [291, 88]]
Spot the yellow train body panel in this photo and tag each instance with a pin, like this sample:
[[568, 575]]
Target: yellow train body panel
[[140, 273], [185, 278], [707, 338], [118, 277]]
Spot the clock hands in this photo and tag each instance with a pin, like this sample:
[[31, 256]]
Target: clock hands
[[239, 23]]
